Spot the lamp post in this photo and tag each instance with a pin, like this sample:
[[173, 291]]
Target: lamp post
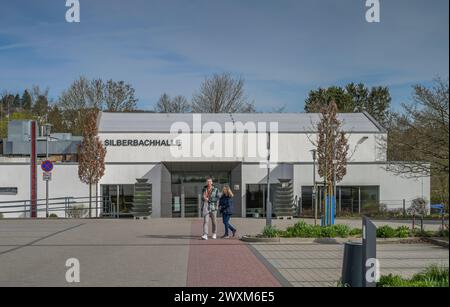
[[333, 199], [268, 203], [314, 153]]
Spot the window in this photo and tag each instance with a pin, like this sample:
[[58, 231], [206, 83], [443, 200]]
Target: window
[[256, 195], [117, 199], [8, 191], [349, 199]]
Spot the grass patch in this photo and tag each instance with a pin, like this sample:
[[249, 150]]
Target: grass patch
[[433, 276]]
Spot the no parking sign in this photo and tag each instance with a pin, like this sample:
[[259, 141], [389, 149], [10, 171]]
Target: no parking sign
[[47, 167]]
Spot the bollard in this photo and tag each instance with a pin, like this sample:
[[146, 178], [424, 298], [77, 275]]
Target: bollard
[[352, 265]]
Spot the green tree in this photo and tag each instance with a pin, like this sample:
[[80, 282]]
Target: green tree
[[379, 103], [56, 119], [320, 98], [26, 101], [40, 108], [352, 98], [17, 103]]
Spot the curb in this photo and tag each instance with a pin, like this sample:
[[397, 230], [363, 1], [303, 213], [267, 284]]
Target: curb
[[436, 241], [259, 239], [411, 240]]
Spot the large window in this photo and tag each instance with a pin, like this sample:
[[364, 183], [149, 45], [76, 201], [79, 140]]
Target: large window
[[349, 199], [256, 197], [117, 200]]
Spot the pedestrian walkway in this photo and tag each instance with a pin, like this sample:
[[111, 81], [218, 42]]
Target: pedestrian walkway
[[169, 252], [320, 265], [224, 263]]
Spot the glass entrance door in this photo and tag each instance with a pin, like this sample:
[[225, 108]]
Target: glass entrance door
[[187, 190]]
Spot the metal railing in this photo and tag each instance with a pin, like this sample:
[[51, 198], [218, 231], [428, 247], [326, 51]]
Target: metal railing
[[61, 207]]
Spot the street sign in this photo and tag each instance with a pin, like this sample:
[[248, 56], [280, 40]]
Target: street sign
[[47, 166], [47, 176]]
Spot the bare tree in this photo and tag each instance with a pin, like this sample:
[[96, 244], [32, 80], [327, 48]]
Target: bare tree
[[91, 155], [222, 94], [179, 104], [119, 97], [84, 95], [420, 133]]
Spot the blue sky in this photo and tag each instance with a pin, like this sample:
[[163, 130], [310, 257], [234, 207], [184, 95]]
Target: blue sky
[[282, 48]]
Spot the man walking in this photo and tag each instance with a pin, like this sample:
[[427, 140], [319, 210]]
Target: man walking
[[210, 197]]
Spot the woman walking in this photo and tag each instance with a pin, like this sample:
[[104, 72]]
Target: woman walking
[[226, 209]]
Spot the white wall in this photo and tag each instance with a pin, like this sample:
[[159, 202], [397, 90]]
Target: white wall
[[286, 147], [64, 183]]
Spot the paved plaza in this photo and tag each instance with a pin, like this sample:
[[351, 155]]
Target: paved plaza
[[168, 252]]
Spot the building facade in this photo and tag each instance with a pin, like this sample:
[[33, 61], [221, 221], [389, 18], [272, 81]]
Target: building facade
[[176, 152]]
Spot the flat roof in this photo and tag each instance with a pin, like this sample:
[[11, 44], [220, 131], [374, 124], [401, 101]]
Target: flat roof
[[118, 122]]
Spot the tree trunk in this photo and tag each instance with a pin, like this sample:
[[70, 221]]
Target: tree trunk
[[90, 200]]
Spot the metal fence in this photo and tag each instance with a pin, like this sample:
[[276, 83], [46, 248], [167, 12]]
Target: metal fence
[[61, 207], [402, 208]]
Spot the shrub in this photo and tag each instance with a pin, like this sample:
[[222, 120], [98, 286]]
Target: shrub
[[271, 232], [425, 233], [328, 232], [386, 231], [1, 215], [402, 232], [342, 231], [356, 232], [303, 230], [53, 215], [443, 233]]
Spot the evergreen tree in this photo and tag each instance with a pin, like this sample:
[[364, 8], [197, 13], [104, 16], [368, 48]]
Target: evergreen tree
[[17, 103], [26, 101], [352, 98]]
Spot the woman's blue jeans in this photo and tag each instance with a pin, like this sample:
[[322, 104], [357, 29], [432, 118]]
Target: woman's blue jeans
[[226, 222]]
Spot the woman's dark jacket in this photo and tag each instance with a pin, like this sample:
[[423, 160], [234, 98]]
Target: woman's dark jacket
[[226, 205]]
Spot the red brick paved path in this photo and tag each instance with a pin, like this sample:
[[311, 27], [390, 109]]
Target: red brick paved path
[[226, 263]]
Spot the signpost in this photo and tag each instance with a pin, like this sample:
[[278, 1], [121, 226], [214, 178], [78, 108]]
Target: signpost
[[47, 167]]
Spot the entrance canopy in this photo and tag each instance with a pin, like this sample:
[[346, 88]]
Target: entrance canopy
[[204, 167]]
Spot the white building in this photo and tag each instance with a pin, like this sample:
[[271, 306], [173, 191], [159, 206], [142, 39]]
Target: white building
[[231, 149]]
